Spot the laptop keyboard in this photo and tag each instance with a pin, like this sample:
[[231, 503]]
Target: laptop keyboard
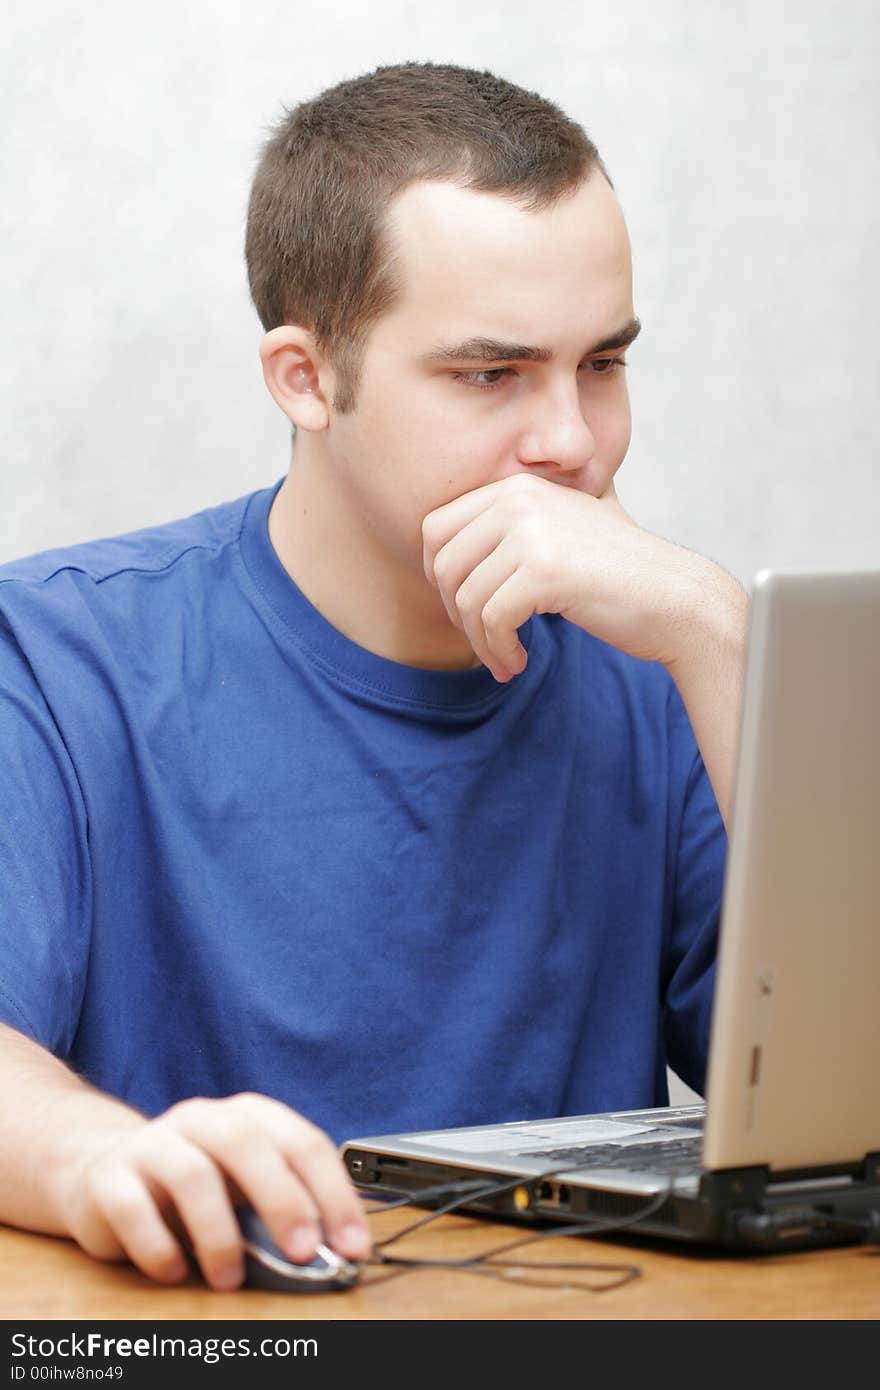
[[672, 1156]]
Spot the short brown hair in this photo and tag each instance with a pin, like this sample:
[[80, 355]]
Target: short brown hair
[[316, 248]]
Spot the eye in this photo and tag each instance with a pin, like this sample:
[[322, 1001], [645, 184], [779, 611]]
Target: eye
[[471, 378], [606, 366]]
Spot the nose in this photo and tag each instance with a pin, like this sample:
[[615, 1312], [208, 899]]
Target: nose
[[558, 437]]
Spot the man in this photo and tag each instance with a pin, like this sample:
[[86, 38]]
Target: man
[[388, 797]]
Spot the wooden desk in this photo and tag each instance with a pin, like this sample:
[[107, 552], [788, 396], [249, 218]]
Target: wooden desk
[[41, 1277]]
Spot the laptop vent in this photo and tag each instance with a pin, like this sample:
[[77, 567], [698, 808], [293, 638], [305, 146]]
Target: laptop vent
[[616, 1205]]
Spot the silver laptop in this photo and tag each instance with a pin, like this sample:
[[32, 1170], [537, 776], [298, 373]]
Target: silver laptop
[[786, 1152]]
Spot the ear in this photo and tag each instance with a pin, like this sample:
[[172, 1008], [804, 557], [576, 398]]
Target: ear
[[296, 374]]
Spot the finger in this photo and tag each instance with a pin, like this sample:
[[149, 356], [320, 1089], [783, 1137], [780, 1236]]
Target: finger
[[193, 1181], [440, 525], [461, 555], [471, 600], [313, 1157], [126, 1207], [287, 1168], [510, 605], [252, 1157]]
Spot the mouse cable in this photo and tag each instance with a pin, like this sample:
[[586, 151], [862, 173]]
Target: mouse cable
[[488, 1262], [466, 1186], [470, 1190]]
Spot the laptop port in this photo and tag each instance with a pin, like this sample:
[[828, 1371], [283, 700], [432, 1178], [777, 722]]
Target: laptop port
[[361, 1169], [553, 1196]]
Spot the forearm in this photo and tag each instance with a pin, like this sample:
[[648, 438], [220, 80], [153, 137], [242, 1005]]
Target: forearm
[[709, 671], [77, 1163], [52, 1121]]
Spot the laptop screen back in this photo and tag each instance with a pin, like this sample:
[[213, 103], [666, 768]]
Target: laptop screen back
[[793, 1076]]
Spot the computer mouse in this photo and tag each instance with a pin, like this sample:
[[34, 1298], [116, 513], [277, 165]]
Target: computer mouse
[[267, 1266]]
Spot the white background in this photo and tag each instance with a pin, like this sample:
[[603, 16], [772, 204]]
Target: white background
[[742, 139]]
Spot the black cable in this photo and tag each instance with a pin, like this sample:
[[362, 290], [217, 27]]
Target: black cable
[[467, 1190], [470, 1190], [473, 1189], [487, 1263], [407, 1199], [440, 1190]]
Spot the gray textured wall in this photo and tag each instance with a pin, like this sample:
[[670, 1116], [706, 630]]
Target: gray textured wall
[[742, 139]]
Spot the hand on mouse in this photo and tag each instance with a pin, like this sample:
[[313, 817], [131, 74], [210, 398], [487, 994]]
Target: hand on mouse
[[146, 1192]]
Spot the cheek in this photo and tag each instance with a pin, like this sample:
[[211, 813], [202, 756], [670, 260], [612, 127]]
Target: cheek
[[462, 454], [612, 431]]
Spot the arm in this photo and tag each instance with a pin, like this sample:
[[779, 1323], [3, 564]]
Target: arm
[[709, 671], [51, 1118], [75, 1162], [525, 545]]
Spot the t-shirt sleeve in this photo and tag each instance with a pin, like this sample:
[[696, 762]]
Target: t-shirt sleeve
[[698, 858], [45, 885]]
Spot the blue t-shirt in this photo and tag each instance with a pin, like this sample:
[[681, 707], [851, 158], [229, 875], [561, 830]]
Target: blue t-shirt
[[240, 852]]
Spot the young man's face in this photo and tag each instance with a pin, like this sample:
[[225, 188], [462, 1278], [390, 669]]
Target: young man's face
[[429, 425]]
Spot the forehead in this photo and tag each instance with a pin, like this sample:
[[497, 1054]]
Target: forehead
[[473, 262]]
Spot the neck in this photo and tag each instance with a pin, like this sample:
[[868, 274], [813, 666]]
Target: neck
[[382, 604]]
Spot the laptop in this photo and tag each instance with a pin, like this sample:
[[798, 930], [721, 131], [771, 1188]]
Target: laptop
[[785, 1153]]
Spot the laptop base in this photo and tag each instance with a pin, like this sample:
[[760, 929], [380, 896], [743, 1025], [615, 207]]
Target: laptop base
[[733, 1209]]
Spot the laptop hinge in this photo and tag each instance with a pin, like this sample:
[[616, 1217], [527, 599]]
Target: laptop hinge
[[872, 1167], [749, 1184], [735, 1185]]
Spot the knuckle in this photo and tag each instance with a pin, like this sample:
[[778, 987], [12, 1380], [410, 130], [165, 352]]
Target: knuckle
[[527, 524], [521, 499], [465, 600], [442, 568], [243, 1112], [219, 1254], [190, 1111], [103, 1200], [96, 1178], [190, 1169], [185, 1166], [159, 1256], [526, 485], [236, 1138], [247, 1098], [120, 1208], [226, 1126], [169, 1268], [491, 617], [225, 1123], [313, 1144]]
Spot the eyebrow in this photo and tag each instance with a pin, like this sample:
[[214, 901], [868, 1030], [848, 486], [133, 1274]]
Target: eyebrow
[[495, 350]]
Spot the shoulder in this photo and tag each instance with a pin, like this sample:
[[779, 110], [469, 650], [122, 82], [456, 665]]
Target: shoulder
[[90, 604], [145, 551]]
